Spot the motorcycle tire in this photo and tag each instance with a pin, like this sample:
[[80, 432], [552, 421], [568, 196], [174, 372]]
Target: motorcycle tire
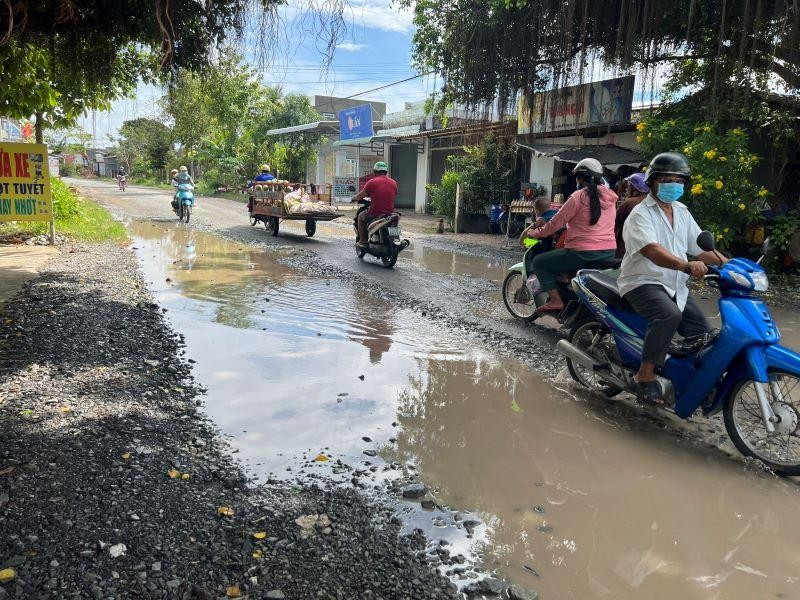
[[253, 221], [311, 227], [510, 301], [389, 261], [729, 416], [187, 212], [578, 330], [274, 225]]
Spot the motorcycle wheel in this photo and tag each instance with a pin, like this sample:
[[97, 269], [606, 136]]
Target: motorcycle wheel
[[581, 336], [742, 413], [275, 224], [389, 261], [187, 212], [311, 227], [253, 221], [511, 285]]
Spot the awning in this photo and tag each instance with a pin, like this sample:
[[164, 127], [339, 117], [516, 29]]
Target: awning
[[609, 155], [316, 127]]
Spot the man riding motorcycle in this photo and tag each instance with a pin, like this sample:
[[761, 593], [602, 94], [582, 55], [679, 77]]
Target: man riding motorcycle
[[382, 191], [179, 177], [121, 174], [659, 234]]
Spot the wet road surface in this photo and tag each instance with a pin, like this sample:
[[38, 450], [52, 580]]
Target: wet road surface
[[578, 497]]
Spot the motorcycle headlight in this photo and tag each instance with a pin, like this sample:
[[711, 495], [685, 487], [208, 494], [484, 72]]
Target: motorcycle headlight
[[760, 282], [741, 280]]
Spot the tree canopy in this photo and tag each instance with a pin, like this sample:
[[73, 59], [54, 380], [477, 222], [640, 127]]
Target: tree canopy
[[59, 58], [494, 50]]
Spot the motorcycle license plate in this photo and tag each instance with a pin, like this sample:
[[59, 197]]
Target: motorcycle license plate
[[393, 231]]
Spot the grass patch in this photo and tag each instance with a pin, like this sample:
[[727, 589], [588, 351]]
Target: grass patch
[[79, 218]]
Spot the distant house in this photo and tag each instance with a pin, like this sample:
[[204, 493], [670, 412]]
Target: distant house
[[10, 130]]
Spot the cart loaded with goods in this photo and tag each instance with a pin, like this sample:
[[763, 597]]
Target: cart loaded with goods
[[271, 202]]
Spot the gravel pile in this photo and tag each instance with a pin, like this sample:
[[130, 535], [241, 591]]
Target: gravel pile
[[113, 484]]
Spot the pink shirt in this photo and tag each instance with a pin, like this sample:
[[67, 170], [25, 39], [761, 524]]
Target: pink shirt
[[575, 215]]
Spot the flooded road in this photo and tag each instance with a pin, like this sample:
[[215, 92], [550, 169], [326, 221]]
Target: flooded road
[[578, 497]]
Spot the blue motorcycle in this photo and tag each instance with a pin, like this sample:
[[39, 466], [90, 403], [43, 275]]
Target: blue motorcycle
[[184, 201], [740, 369]]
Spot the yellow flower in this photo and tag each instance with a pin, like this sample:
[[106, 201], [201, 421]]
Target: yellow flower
[[671, 123], [697, 189], [718, 184], [737, 131], [687, 150], [710, 154], [762, 192], [742, 207], [723, 158], [639, 138], [641, 127], [706, 128]]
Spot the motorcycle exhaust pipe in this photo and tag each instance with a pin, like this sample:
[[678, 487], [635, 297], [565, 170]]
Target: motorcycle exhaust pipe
[[577, 355]]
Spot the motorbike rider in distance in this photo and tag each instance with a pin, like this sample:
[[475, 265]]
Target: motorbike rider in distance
[[179, 177], [121, 174], [588, 215], [382, 191], [659, 234], [264, 175]]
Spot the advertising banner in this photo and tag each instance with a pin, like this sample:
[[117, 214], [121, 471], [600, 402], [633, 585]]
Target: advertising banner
[[600, 103], [344, 188], [24, 183], [355, 122]]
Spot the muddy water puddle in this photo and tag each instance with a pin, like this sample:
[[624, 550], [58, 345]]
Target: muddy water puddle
[[456, 263], [577, 497]]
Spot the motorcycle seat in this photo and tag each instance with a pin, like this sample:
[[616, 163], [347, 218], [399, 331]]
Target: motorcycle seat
[[609, 263], [605, 287]]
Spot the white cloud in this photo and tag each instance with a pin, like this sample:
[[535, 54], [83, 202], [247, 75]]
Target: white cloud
[[350, 47]]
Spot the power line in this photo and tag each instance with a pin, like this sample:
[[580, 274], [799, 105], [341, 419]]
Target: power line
[[390, 84]]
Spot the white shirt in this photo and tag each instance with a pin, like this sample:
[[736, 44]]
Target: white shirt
[[647, 224]]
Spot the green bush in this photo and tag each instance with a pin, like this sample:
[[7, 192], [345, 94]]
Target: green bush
[[65, 203], [443, 195]]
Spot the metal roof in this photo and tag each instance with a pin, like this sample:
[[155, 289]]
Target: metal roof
[[607, 154], [316, 127]]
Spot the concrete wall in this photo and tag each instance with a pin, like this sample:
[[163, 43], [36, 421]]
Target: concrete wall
[[542, 170], [423, 172]]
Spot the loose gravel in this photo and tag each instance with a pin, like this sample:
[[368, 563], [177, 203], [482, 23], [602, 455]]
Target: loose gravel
[[114, 485]]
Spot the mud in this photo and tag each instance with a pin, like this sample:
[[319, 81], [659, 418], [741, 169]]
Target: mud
[[575, 496]]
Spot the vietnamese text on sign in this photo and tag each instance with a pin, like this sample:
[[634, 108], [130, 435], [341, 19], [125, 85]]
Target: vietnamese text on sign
[[24, 183]]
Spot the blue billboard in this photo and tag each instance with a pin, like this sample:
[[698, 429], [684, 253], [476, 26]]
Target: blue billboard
[[355, 122]]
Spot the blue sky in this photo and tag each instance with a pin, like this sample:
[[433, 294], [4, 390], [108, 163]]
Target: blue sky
[[375, 50]]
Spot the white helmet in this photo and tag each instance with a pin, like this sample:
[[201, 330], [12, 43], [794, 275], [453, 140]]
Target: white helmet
[[589, 167]]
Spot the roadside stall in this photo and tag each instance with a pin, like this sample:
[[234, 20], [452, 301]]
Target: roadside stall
[[271, 202]]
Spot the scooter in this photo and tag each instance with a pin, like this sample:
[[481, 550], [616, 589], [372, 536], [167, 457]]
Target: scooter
[[184, 201], [383, 235], [523, 295], [739, 370]]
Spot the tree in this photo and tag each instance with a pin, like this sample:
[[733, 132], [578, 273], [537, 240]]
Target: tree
[[145, 146], [59, 58], [292, 153], [495, 50]]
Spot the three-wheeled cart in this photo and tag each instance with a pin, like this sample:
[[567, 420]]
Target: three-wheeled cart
[[266, 205]]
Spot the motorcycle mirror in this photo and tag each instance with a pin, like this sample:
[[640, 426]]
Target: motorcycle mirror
[[706, 241]]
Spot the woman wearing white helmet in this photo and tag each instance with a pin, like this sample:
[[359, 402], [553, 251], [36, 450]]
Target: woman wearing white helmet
[[588, 214]]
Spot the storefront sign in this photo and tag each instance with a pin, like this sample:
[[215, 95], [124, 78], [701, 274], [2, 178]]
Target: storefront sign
[[24, 183], [601, 103], [344, 188], [355, 122]]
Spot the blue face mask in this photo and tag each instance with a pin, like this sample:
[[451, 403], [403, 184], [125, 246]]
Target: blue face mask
[[670, 192]]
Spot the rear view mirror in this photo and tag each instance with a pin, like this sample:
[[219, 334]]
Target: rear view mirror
[[706, 241]]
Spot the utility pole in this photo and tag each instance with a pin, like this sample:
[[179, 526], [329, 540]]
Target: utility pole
[[94, 138]]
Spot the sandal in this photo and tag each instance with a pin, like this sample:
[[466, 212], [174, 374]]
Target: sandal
[[649, 392]]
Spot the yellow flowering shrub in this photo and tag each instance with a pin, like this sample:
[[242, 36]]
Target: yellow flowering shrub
[[722, 163]]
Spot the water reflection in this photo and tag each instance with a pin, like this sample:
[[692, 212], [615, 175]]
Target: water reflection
[[597, 500]]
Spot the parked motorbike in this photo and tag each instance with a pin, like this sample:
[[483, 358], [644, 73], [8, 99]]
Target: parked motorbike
[[383, 235], [739, 370], [522, 293], [184, 201]]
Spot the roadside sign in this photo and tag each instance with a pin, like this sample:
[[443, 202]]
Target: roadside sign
[[25, 193], [355, 122], [344, 188], [24, 183]]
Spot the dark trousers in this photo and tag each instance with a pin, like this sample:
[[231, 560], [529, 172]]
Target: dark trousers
[[548, 265], [664, 318]]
